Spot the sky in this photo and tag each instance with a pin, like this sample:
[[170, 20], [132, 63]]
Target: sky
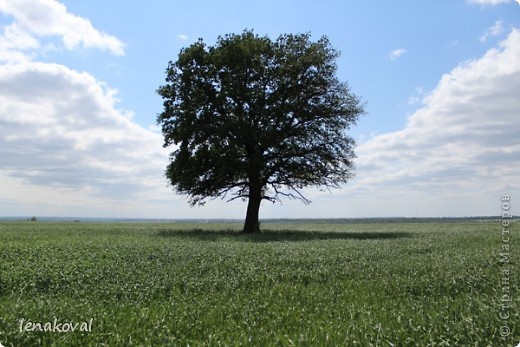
[[78, 104]]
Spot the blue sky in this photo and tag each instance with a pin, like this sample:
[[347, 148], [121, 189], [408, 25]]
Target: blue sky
[[78, 81]]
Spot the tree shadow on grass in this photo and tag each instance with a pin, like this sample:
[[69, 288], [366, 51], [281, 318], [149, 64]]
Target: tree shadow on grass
[[279, 235]]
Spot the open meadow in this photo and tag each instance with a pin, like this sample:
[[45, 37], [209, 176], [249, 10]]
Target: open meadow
[[296, 284]]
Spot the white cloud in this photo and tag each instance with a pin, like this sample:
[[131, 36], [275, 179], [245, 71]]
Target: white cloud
[[462, 144], [494, 30], [182, 37], [61, 130], [418, 97], [489, 2], [37, 19], [396, 53], [14, 42]]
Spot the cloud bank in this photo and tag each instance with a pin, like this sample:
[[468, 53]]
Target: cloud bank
[[462, 143], [67, 149], [61, 128]]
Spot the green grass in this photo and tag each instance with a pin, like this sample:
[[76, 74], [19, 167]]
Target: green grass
[[301, 284]]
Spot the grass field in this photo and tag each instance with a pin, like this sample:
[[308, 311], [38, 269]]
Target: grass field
[[301, 284]]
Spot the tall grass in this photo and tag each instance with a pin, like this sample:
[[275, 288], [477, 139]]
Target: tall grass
[[366, 284]]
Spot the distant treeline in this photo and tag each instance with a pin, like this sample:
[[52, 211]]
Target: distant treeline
[[271, 220]]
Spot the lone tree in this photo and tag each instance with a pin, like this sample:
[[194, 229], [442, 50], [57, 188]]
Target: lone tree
[[257, 119]]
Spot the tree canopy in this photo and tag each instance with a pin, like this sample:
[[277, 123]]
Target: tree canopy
[[257, 119]]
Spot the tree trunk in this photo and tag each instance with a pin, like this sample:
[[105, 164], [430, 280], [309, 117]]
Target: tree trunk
[[252, 224]]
